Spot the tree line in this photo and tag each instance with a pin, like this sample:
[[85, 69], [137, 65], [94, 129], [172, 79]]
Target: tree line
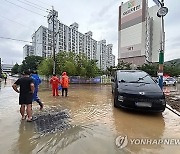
[[79, 65], [74, 64]]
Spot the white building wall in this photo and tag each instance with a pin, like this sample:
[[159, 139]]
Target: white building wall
[[156, 33], [131, 36]]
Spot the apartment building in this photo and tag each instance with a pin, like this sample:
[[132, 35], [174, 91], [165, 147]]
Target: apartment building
[[28, 50], [68, 38], [42, 42]]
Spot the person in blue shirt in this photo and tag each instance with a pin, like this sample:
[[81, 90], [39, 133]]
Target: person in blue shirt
[[37, 82]]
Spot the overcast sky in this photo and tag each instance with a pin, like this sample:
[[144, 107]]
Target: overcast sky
[[98, 16]]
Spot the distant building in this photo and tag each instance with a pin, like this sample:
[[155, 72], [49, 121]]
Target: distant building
[[28, 50], [101, 56], [68, 38], [6, 67], [139, 33], [42, 42], [110, 60]]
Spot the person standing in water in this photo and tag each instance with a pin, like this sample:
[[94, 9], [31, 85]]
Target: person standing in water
[[65, 84], [37, 82], [54, 81], [25, 94]]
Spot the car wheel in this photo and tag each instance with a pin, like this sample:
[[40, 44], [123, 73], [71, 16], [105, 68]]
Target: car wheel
[[164, 83], [174, 84], [115, 102]]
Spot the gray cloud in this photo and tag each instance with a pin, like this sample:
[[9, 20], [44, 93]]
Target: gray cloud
[[9, 53]]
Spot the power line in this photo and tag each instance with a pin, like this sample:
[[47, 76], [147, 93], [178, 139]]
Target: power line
[[45, 10], [43, 3], [24, 8], [14, 21], [36, 5], [8, 38]]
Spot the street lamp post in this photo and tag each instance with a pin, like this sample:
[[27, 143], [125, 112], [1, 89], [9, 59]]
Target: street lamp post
[[161, 13]]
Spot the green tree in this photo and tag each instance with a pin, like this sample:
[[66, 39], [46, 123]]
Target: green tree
[[172, 70], [124, 65], [151, 69], [73, 64], [15, 69], [91, 68], [46, 67], [31, 63], [81, 62], [61, 59], [109, 71], [70, 68]]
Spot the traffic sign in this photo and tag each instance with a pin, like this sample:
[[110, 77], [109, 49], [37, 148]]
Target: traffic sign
[[158, 3]]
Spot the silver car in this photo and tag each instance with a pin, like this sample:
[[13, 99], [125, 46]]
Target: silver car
[[169, 81]]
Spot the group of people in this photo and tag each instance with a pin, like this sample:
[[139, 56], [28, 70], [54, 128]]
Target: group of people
[[57, 84], [28, 92]]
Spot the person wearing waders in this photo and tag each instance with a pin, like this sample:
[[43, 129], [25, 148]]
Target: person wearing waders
[[54, 81], [65, 83], [37, 82]]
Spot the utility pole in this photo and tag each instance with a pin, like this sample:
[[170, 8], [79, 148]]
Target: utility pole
[[161, 13], [54, 59]]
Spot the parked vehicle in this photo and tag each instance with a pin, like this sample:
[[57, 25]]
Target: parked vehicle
[[169, 81], [134, 89]]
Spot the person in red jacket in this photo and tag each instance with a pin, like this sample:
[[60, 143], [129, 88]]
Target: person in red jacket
[[64, 83], [54, 81]]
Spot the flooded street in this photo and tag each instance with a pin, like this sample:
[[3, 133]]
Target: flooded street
[[83, 123]]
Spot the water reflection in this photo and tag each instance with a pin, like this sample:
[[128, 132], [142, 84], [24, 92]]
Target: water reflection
[[25, 143], [139, 126], [132, 123], [54, 143]]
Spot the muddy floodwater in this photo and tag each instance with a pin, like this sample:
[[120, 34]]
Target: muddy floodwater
[[83, 123]]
